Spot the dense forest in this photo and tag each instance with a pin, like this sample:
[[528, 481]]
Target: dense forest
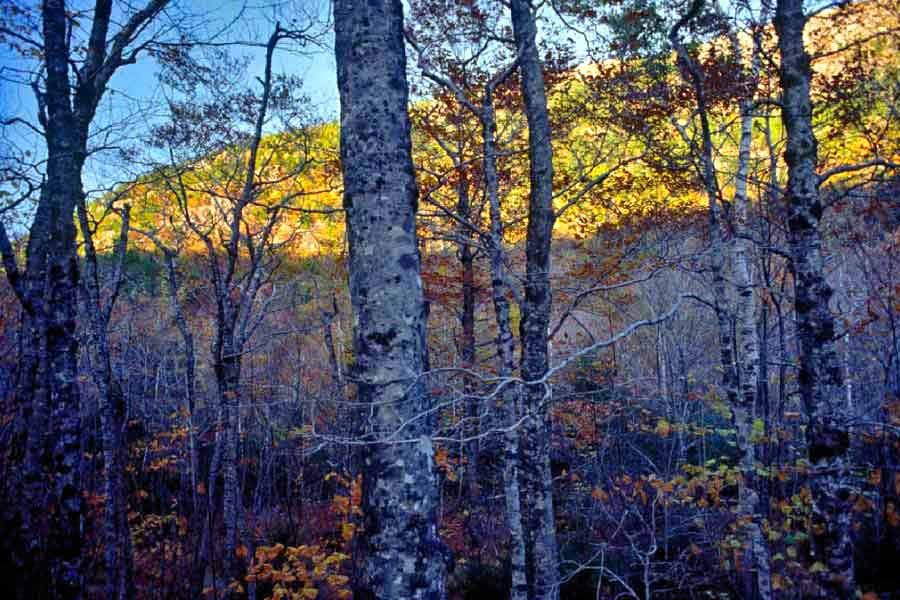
[[559, 299]]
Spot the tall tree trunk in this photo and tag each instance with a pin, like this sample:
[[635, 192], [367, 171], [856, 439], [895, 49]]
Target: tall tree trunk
[[32, 395], [750, 510], [536, 308], [228, 376], [500, 292], [48, 288], [820, 372], [740, 392], [328, 319], [52, 273], [201, 511], [405, 558], [205, 556], [506, 353], [467, 324], [117, 535], [707, 172]]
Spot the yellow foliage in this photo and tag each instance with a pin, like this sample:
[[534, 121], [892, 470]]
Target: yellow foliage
[[300, 571], [347, 531], [663, 428]]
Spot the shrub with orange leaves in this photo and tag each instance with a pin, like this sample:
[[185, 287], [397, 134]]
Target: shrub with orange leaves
[[300, 572]]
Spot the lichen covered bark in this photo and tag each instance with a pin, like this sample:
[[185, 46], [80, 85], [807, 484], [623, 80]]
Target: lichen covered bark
[[536, 307], [820, 374], [404, 555]]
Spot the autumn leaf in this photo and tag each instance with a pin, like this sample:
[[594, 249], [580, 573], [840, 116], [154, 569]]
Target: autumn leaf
[[663, 428], [337, 580], [347, 530], [335, 558], [818, 567], [778, 582], [236, 587], [599, 495]]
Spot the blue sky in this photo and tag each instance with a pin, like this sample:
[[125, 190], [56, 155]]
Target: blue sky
[[135, 97]]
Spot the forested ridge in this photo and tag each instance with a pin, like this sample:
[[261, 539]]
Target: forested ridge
[[570, 299]]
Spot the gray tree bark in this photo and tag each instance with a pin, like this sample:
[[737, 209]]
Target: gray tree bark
[[505, 350], [740, 391], [200, 512], [501, 290], [750, 508], [48, 384], [707, 173], [536, 306], [820, 374], [117, 535], [405, 558], [467, 324], [750, 511]]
